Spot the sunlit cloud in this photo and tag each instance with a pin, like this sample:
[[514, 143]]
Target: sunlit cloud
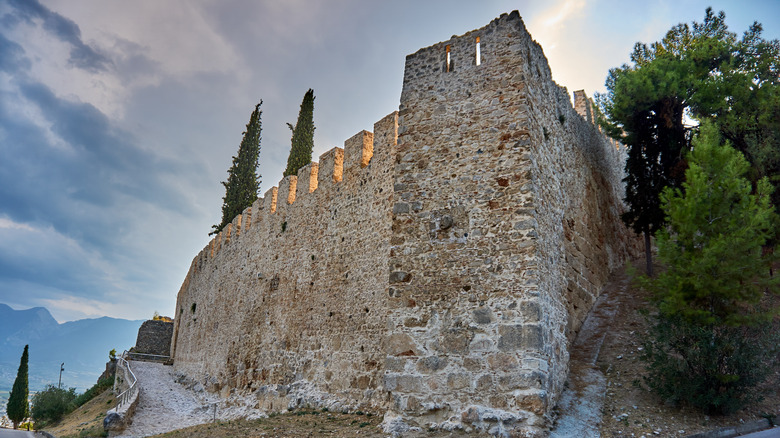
[[79, 308]]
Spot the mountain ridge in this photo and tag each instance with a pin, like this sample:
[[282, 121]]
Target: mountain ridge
[[83, 345]]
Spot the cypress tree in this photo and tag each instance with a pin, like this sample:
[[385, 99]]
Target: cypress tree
[[18, 407], [243, 183], [302, 136]]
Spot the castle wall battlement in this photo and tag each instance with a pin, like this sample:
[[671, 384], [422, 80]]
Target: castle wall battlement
[[436, 269], [355, 156]]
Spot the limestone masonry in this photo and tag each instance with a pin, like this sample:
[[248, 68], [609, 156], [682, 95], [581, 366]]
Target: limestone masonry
[[154, 337], [436, 269]]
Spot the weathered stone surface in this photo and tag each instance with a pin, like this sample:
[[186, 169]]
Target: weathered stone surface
[[113, 422], [438, 267], [483, 315], [154, 337]]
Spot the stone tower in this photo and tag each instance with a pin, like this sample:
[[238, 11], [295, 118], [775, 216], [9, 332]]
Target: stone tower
[[436, 269]]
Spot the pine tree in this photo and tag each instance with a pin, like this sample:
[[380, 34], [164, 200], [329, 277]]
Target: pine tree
[[713, 337], [705, 72], [302, 136], [243, 183], [18, 406]]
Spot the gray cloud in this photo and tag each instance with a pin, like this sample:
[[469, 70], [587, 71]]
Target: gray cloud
[[82, 55], [98, 166], [12, 57]]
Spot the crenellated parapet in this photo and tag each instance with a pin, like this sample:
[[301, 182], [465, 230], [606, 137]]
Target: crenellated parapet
[[327, 175]]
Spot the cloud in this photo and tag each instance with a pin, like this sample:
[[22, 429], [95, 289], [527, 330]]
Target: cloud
[[12, 59], [34, 254], [550, 24], [79, 308], [101, 166], [82, 55]]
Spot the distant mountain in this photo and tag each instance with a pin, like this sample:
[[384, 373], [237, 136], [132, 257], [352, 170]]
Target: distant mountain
[[83, 345]]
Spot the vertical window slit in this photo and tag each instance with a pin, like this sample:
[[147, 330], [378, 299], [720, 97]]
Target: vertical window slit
[[478, 54], [448, 57]]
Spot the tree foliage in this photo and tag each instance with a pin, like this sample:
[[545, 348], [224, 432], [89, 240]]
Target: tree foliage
[[710, 341], [53, 403], [243, 183], [18, 407], [704, 72], [302, 136], [742, 97]]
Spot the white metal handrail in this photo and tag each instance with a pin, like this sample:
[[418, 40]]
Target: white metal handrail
[[127, 394], [133, 354]]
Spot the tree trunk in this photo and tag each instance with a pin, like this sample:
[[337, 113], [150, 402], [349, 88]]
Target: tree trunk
[[648, 254]]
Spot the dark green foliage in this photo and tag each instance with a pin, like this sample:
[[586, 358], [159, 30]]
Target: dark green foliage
[[51, 404], [712, 247], [18, 408], [302, 136], [715, 369], [703, 71], [96, 389], [712, 337], [243, 183], [743, 100]]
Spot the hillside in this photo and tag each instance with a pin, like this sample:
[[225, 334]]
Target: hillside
[[82, 345], [87, 420]]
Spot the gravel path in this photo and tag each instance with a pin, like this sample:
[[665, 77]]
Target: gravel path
[[163, 404], [580, 406]]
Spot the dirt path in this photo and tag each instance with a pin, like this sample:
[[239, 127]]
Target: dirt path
[[581, 404], [163, 404]]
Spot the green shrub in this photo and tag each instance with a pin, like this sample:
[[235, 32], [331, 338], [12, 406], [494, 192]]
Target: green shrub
[[714, 368], [95, 390], [94, 431], [51, 404], [713, 338]]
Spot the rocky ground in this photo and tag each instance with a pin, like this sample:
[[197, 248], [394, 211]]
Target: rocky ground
[[163, 404], [630, 409]]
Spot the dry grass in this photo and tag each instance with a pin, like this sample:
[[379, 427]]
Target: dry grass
[[301, 423], [85, 421], [646, 412]]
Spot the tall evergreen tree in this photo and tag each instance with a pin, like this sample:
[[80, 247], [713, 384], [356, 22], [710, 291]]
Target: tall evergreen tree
[[18, 406], [302, 136], [713, 335], [243, 183], [704, 72]]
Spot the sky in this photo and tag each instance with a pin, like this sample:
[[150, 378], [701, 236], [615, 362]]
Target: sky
[[119, 120]]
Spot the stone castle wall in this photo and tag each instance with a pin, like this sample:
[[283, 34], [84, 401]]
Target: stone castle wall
[[294, 292], [437, 269]]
